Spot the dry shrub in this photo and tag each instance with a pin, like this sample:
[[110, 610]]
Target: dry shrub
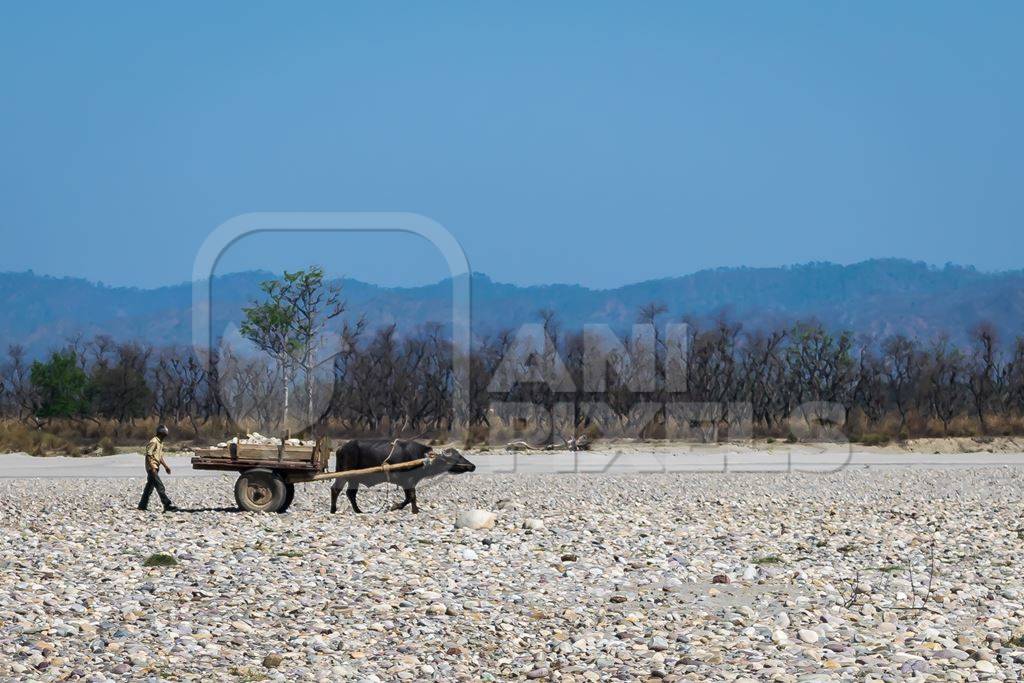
[[592, 432], [477, 434], [920, 425], [16, 438], [874, 439], [47, 444], [964, 426], [1003, 425]]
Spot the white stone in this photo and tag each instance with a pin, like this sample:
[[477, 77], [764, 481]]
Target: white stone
[[985, 666], [807, 635], [475, 519]]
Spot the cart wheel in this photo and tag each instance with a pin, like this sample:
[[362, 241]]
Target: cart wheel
[[289, 496], [260, 490]]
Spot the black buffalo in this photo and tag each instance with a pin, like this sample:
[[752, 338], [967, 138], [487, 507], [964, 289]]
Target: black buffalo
[[363, 453]]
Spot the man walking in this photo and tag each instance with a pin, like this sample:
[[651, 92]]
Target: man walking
[[154, 459]]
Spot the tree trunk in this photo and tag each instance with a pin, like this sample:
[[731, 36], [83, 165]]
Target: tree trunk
[[284, 415], [309, 397]]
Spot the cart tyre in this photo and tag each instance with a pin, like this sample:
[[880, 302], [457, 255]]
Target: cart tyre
[[260, 490], [289, 496]]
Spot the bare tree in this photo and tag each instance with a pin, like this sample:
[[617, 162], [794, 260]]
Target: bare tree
[[1014, 374], [17, 380], [902, 369], [983, 380], [945, 383], [870, 393]]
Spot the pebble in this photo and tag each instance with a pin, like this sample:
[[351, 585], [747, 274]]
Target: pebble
[[658, 644], [475, 519], [985, 666], [620, 592], [807, 635]]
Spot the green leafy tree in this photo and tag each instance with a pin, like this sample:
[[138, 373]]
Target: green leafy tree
[[268, 325], [62, 386], [289, 323], [314, 304]]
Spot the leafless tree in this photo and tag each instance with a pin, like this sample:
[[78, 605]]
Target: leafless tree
[[902, 369], [984, 376], [945, 391]]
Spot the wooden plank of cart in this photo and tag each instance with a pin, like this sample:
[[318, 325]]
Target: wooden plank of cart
[[267, 474]]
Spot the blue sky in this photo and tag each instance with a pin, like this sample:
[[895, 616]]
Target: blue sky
[[588, 143]]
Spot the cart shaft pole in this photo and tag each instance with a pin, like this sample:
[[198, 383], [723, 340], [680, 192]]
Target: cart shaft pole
[[345, 474]]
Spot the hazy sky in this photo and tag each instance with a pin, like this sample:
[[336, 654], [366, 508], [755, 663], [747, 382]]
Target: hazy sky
[[590, 143]]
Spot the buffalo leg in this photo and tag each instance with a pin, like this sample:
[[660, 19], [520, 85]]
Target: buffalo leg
[[352, 491], [409, 495], [335, 491]]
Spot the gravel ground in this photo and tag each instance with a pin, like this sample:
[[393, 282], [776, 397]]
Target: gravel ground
[[886, 574]]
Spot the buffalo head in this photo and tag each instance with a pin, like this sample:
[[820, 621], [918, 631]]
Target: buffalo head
[[454, 462]]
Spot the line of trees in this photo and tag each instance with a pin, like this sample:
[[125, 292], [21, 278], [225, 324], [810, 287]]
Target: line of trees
[[381, 382]]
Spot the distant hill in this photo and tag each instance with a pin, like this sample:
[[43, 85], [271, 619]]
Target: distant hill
[[877, 297]]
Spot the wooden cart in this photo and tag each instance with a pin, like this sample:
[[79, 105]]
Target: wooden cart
[[268, 473]]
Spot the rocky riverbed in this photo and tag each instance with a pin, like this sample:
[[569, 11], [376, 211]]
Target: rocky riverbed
[[880, 573]]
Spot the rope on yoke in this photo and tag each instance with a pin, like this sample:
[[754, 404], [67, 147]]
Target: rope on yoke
[[387, 479], [387, 474]]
